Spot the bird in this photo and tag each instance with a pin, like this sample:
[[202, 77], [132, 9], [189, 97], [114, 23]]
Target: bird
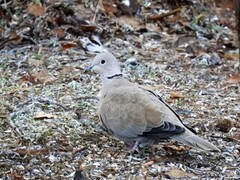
[[135, 115]]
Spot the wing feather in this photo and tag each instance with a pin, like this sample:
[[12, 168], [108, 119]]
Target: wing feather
[[130, 111]]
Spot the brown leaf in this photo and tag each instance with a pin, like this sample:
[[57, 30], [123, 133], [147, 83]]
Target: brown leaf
[[173, 149], [1, 30], [16, 176], [224, 125], [36, 78], [60, 32], [109, 7], [42, 115], [177, 173], [123, 20], [67, 71], [89, 28], [3, 115], [67, 45], [176, 95], [234, 79], [36, 9], [149, 163], [24, 152], [226, 4], [235, 137], [231, 56], [28, 78]]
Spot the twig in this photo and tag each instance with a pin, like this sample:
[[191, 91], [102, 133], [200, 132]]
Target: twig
[[96, 11], [15, 128], [86, 97], [157, 17]]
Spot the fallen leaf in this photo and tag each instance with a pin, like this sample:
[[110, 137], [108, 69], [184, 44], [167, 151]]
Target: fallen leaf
[[42, 115], [176, 95], [226, 4], [1, 30], [89, 28], [67, 71], [109, 7], [149, 163], [16, 175], [60, 32], [3, 115], [235, 137], [231, 56], [128, 20], [36, 78], [224, 125], [43, 151], [174, 149], [177, 173], [67, 45], [234, 79], [28, 78], [36, 9]]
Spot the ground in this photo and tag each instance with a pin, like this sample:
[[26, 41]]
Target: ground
[[184, 51]]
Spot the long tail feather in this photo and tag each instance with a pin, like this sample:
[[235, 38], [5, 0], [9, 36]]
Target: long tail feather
[[195, 141]]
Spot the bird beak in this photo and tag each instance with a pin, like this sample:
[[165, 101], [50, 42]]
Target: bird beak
[[89, 68]]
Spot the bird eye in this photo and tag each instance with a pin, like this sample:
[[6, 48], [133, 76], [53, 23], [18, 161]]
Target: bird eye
[[102, 61]]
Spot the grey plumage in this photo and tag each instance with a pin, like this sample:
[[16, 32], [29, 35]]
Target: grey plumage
[[136, 115]]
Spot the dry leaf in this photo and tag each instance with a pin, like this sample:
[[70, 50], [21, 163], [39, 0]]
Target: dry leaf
[[174, 149], [123, 20], [36, 9], [231, 56], [176, 95], [43, 151], [36, 78], [60, 32], [226, 4], [149, 163], [235, 137], [28, 78], [224, 125], [1, 30], [234, 79], [89, 28], [177, 173], [109, 7], [67, 70], [42, 115], [3, 115], [16, 175], [67, 45]]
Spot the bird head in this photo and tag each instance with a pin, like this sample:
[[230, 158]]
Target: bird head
[[106, 65]]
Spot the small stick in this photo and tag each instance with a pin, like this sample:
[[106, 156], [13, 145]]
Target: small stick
[[157, 17], [96, 11]]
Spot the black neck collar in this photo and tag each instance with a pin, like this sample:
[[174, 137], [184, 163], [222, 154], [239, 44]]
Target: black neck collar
[[116, 75]]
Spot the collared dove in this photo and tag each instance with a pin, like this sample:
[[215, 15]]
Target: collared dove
[[135, 115]]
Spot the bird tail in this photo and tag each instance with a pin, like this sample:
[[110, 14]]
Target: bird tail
[[195, 141]]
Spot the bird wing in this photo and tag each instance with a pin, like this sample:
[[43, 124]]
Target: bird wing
[[130, 111]]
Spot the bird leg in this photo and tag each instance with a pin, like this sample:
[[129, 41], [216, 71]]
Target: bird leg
[[135, 147], [132, 147]]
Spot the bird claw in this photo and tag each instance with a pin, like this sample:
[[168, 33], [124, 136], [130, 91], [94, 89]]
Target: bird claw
[[132, 148]]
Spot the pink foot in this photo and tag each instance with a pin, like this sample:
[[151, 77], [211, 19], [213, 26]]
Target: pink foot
[[132, 147]]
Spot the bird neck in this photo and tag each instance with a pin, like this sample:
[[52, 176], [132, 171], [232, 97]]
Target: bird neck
[[108, 79], [116, 75]]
